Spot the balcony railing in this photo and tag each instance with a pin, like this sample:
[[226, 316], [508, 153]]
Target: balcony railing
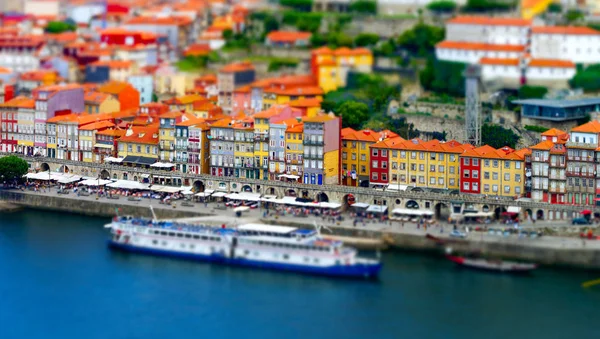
[[313, 142], [539, 159], [558, 176], [294, 162], [557, 189], [558, 164], [580, 158], [261, 137], [280, 159], [581, 144], [581, 174]]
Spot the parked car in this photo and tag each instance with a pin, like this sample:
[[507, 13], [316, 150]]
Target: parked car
[[237, 204], [581, 221], [253, 205], [458, 234]]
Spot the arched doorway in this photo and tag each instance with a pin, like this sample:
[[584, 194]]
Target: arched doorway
[[539, 215], [104, 174], [322, 197], [416, 189], [64, 169], [44, 167], [528, 214], [442, 211], [412, 204], [115, 176], [485, 208], [124, 176], [290, 193], [305, 194], [498, 212], [198, 186], [455, 192], [349, 200], [271, 191], [247, 188]]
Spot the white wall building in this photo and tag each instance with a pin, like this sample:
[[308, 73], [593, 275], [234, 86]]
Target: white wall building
[[469, 52], [488, 30], [576, 44], [549, 70], [42, 7], [494, 68]]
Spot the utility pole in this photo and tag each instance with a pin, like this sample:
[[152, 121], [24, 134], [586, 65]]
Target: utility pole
[[472, 105]]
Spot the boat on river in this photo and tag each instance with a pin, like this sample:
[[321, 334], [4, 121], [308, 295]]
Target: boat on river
[[252, 245], [492, 265]]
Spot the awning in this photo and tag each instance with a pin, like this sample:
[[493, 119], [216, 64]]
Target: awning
[[95, 182], [396, 187], [103, 146], [289, 176], [133, 159], [513, 209], [241, 209], [376, 209], [219, 194], [203, 194], [111, 159], [67, 179], [128, 184], [360, 205], [162, 165], [410, 212]]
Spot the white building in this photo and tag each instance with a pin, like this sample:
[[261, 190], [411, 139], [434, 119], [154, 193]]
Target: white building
[[42, 7], [21, 54], [580, 45], [488, 30], [470, 52], [550, 72], [500, 69]]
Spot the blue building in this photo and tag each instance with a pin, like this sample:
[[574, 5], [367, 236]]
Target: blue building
[[97, 73], [144, 84], [558, 110]]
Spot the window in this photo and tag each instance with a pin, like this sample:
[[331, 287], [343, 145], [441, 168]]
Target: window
[[421, 167], [506, 189], [475, 186], [517, 177], [486, 163], [374, 176], [495, 176], [466, 186], [441, 169], [375, 152], [466, 174], [494, 188], [486, 188], [517, 190], [383, 152], [451, 170], [475, 162], [507, 164], [495, 163], [466, 161], [432, 180], [517, 165], [486, 175], [384, 176], [384, 164], [403, 154], [451, 182], [441, 181], [506, 177], [375, 164], [432, 156], [413, 155], [452, 157], [432, 168], [422, 155]]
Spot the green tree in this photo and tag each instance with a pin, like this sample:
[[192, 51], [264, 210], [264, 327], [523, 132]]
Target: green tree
[[532, 92], [366, 39], [363, 6], [227, 34], [12, 168], [270, 24], [353, 113], [498, 136], [573, 16], [489, 5], [59, 27], [587, 78], [555, 7], [300, 5], [328, 105], [443, 77], [442, 6], [421, 39]]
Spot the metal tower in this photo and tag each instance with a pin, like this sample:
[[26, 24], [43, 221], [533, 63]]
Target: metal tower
[[472, 105]]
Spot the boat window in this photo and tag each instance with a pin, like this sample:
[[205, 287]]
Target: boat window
[[182, 245], [337, 262], [204, 237], [192, 246], [260, 242], [171, 234], [154, 242], [217, 239], [164, 243], [179, 235], [188, 235], [316, 260], [286, 256], [246, 252], [306, 259], [196, 237], [163, 233]]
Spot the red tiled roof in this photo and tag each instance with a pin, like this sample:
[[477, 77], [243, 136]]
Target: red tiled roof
[[564, 30], [479, 46], [288, 36], [499, 61], [551, 63]]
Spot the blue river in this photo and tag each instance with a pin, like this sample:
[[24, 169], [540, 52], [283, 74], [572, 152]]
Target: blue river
[[59, 280]]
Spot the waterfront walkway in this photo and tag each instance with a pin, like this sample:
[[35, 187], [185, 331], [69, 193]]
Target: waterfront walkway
[[227, 216]]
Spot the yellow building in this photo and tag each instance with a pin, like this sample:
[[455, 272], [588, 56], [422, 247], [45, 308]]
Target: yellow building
[[262, 122], [502, 171], [167, 122], [356, 157], [139, 141], [97, 103], [183, 103], [172, 83], [432, 164], [294, 148], [309, 107], [87, 138], [322, 135], [532, 8], [243, 149], [331, 67]]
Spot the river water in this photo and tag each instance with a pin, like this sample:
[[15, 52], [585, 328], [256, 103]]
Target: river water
[[59, 280]]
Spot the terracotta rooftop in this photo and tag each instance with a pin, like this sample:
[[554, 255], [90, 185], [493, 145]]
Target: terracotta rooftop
[[19, 102], [95, 97], [479, 46], [141, 135], [489, 21], [97, 125], [499, 61], [288, 36], [237, 67], [551, 63], [564, 30], [590, 127]]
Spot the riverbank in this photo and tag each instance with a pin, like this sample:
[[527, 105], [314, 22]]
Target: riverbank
[[547, 250], [8, 207]]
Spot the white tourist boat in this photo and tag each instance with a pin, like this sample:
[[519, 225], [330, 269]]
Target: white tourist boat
[[254, 245]]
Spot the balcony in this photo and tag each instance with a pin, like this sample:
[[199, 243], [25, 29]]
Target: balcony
[[279, 159], [294, 162], [558, 164], [313, 156], [581, 174], [261, 137], [557, 189], [581, 145], [313, 142], [539, 159], [581, 189], [194, 150], [580, 158], [181, 148], [561, 176]]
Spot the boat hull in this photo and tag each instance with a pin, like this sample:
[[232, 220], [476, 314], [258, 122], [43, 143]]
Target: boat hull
[[351, 271], [512, 268]]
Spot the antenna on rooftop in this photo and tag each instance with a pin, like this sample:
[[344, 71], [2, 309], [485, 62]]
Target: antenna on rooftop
[[472, 105]]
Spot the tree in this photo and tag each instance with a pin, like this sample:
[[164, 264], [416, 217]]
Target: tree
[[573, 16], [497, 136], [443, 77], [270, 24], [300, 5], [421, 39], [353, 113], [363, 6], [366, 39], [59, 27], [227, 34], [488, 5], [555, 8], [442, 6], [532, 92], [12, 168], [587, 78]]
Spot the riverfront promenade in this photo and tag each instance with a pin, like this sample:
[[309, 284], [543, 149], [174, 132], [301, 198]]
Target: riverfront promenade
[[210, 215]]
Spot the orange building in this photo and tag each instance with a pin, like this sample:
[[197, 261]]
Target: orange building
[[128, 96]]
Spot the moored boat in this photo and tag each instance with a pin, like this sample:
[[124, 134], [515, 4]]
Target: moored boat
[[492, 265], [252, 245]]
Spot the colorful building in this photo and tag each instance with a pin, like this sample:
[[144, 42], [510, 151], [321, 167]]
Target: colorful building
[[13, 128], [581, 175], [322, 145], [294, 137], [183, 103], [231, 77], [106, 144], [222, 148], [243, 152], [139, 145], [97, 103], [87, 138], [124, 92]]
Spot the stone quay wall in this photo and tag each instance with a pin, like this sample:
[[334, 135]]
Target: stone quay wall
[[101, 208]]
